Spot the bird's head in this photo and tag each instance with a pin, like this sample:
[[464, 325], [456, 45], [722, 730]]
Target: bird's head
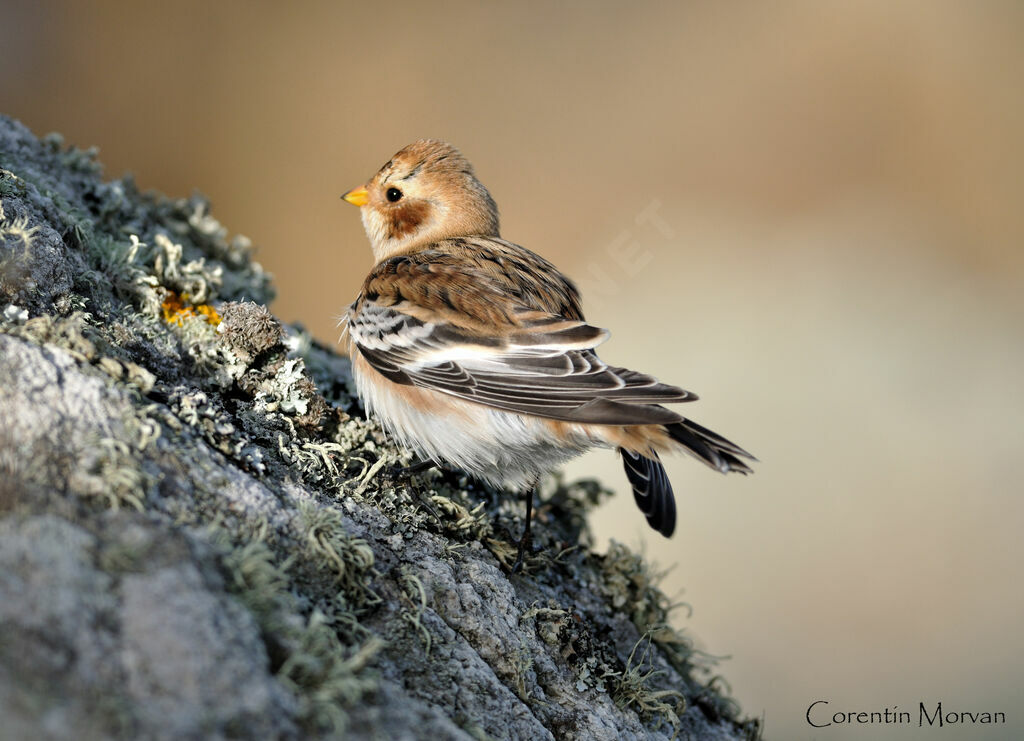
[[425, 193]]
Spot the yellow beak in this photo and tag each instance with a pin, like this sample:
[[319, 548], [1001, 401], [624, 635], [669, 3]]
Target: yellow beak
[[357, 196]]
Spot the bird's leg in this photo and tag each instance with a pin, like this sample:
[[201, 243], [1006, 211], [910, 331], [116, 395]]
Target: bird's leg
[[407, 472], [524, 541]]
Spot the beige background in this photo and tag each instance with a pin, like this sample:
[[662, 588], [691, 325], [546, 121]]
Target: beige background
[[807, 212]]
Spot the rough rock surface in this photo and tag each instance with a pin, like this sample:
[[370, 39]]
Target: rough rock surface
[[202, 537]]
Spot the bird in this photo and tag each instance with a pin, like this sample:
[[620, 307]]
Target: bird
[[474, 352]]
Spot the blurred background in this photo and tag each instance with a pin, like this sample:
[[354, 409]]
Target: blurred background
[[807, 212]]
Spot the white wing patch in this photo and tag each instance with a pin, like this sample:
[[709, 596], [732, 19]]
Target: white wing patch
[[548, 369]]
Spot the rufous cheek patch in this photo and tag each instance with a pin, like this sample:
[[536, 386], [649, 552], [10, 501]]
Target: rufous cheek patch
[[406, 218]]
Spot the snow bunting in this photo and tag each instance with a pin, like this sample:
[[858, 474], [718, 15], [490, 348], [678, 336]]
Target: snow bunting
[[473, 351]]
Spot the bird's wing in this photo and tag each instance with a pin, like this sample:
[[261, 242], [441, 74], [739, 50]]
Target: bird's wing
[[452, 331]]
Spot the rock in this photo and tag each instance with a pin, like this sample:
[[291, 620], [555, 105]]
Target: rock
[[201, 536]]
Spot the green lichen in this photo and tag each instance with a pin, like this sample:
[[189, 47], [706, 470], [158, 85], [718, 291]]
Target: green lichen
[[260, 581], [349, 559], [415, 603], [17, 230], [109, 472], [632, 586], [326, 675], [633, 688]]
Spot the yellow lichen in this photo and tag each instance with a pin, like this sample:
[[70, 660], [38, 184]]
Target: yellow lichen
[[177, 308]]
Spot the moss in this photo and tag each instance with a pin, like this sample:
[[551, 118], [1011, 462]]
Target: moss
[[17, 230], [261, 583], [350, 559], [415, 603], [10, 184], [631, 585], [73, 334], [326, 675], [634, 688], [107, 471]]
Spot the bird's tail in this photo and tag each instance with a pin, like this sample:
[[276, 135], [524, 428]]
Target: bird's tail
[[651, 487], [709, 447]]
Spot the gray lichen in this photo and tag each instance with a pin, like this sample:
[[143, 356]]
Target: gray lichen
[[202, 536]]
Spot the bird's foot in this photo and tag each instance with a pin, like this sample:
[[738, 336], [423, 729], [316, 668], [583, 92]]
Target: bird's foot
[[407, 472]]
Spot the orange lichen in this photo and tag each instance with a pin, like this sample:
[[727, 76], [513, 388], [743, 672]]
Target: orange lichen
[[176, 308]]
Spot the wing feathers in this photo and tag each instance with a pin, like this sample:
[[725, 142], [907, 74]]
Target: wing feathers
[[431, 326]]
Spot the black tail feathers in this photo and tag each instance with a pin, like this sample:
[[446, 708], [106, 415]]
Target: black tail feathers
[[710, 447], [652, 490], [651, 487]]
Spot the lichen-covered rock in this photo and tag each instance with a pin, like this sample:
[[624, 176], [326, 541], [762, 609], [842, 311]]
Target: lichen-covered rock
[[127, 632], [201, 536]]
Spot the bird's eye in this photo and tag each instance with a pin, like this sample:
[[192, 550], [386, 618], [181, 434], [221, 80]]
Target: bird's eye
[[393, 194]]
